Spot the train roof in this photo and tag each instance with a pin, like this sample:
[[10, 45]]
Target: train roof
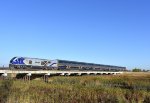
[[89, 63], [29, 58]]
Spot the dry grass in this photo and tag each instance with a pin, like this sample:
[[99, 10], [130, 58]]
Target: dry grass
[[139, 74], [126, 88]]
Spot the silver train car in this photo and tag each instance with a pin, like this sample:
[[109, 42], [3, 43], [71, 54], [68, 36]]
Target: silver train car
[[35, 63], [74, 65]]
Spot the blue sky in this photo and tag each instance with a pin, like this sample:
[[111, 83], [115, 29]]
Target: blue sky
[[113, 32]]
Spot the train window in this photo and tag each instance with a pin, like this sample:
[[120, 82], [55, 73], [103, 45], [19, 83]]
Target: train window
[[42, 63], [30, 61]]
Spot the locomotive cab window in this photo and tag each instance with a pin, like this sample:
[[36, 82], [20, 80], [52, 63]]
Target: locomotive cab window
[[30, 61]]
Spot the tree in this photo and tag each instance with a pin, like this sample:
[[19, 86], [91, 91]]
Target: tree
[[136, 70]]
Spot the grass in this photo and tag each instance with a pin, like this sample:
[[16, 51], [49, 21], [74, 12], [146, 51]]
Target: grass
[[127, 88]]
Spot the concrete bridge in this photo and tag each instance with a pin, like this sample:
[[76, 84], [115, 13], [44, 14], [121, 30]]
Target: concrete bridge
[[27, 74]]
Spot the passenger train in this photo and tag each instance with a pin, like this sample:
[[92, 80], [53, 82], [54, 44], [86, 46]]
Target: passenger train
[[36, 63]]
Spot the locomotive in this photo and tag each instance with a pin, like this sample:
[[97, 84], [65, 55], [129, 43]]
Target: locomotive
[[36, 63], [28, 63]]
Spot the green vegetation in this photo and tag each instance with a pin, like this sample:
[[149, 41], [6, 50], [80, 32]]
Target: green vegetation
[[127, 88], [136, 70], [139, 70]]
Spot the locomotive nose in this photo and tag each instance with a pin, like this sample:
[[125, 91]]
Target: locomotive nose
[[16, 60]]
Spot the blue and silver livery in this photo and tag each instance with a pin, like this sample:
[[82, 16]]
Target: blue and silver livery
[[25, 62]]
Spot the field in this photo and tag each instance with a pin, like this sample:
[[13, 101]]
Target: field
[[126, 88]]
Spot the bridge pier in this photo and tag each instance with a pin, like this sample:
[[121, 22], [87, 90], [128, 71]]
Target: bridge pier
[[27, 77], [79, 74], [45, 77], [68, 74], [62, 74], [4, 76]]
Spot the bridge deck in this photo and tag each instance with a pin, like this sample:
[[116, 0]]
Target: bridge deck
[[49, 72]]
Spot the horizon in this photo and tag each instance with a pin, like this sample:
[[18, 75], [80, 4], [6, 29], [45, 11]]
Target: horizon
[[104, 32]]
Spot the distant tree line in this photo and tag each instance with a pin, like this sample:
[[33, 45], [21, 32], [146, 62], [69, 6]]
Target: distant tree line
[[139, 70]]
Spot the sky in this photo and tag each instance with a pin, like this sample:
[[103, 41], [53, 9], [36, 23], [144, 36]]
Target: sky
[[114, 32]]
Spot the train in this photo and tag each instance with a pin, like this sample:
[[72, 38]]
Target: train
[[46, 64]]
